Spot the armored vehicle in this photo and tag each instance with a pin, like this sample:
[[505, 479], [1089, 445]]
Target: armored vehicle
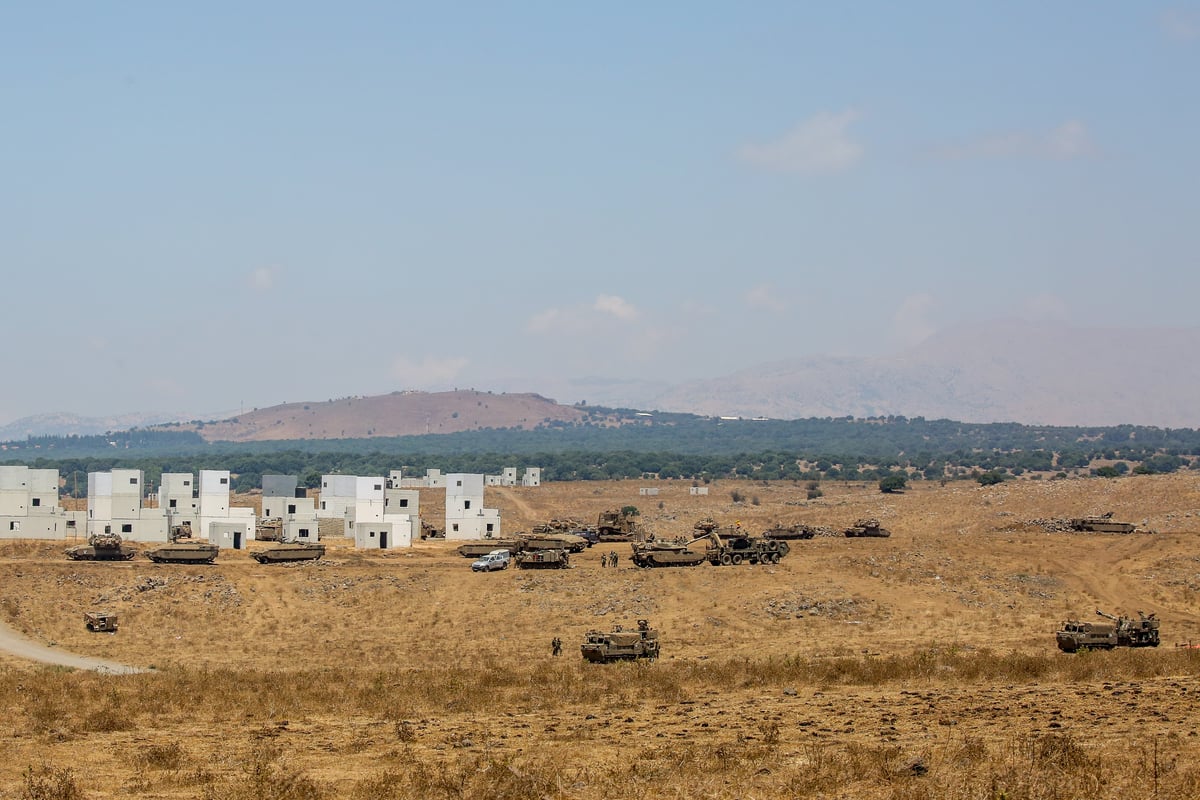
[[666, 553], [1077, 635], [1100, 524], [867, 527], [738, 547], [617, 526], [543, 559], [269, 530], [102, 547], [620, 644], [183, 553], [485, 546], [100, 621], [554, 541], [290, 551], [797, 531]]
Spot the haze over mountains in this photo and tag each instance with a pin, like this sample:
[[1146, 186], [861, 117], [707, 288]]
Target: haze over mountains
[[1012, 371]]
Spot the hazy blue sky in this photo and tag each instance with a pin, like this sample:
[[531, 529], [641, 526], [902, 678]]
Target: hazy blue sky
[[204, 205]]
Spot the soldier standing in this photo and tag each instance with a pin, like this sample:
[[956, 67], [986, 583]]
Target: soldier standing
[[556, 646], [612, 557]]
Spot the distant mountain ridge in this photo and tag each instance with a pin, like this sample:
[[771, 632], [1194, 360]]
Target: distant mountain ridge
[[1003, 372]]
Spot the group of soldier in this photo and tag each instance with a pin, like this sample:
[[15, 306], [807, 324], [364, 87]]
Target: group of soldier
[[608, 560]]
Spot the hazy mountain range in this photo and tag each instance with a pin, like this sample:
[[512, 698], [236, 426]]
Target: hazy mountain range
[[1003, 371]]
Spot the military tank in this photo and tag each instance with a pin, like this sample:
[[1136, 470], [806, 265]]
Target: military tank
[[485, 546], [620, 645], [289, 551], [868, 527], [554, 541], [105, 546], [1102, 523], [667, 553], [797, 531]]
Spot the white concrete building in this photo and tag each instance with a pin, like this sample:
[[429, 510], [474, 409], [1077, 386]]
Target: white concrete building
[[698, 490], [648, 491], [466, 518], [29, 506], [219, 523], [114, 505], [283, 499], [532, 476], [337, 495]]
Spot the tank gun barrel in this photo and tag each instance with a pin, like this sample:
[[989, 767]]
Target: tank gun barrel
[[1106, 616]]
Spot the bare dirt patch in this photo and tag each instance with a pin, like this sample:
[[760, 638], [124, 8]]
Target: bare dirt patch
[[922, 665]]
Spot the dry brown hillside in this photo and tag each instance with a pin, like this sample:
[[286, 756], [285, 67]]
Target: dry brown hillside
[[395, 414], [918, 666]]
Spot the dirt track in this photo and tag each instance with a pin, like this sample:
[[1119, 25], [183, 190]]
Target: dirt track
[[17, 645]]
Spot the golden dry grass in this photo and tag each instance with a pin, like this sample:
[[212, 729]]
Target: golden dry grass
[[917, 666]]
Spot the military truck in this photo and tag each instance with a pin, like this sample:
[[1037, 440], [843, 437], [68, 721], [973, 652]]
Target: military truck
[[543, 559], [867, 526], [1078, 636], [731, 545], [100, 621], [105, 546], [620, 644], [290, 551], [1102, 523], [617, 525]]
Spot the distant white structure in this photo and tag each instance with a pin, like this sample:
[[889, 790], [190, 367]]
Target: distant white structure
[[283, 499], [379, 514], [648, 491], [337, 495], [29, 506], [698, 490], [219, 523], [114, 505], [466, 518], [532, 476]]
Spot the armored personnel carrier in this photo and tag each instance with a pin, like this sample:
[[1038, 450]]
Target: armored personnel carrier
[[1078, 636], [289, 551], [269, 529], [100, 621], [867, 527], [543, 559], [182, 550], [620, 644], [105, 546], [183, 553]]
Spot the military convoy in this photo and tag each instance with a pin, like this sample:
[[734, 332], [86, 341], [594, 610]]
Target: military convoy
[[529, 541], [1080, 636], [620, 645], [105, 546]]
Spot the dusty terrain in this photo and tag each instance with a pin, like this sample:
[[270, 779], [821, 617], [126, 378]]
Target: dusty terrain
[[922, 665]]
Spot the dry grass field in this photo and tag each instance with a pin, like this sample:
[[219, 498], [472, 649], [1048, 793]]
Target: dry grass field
[[919, 666]]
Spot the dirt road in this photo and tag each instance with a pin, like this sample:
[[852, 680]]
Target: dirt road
[[15, 644]]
